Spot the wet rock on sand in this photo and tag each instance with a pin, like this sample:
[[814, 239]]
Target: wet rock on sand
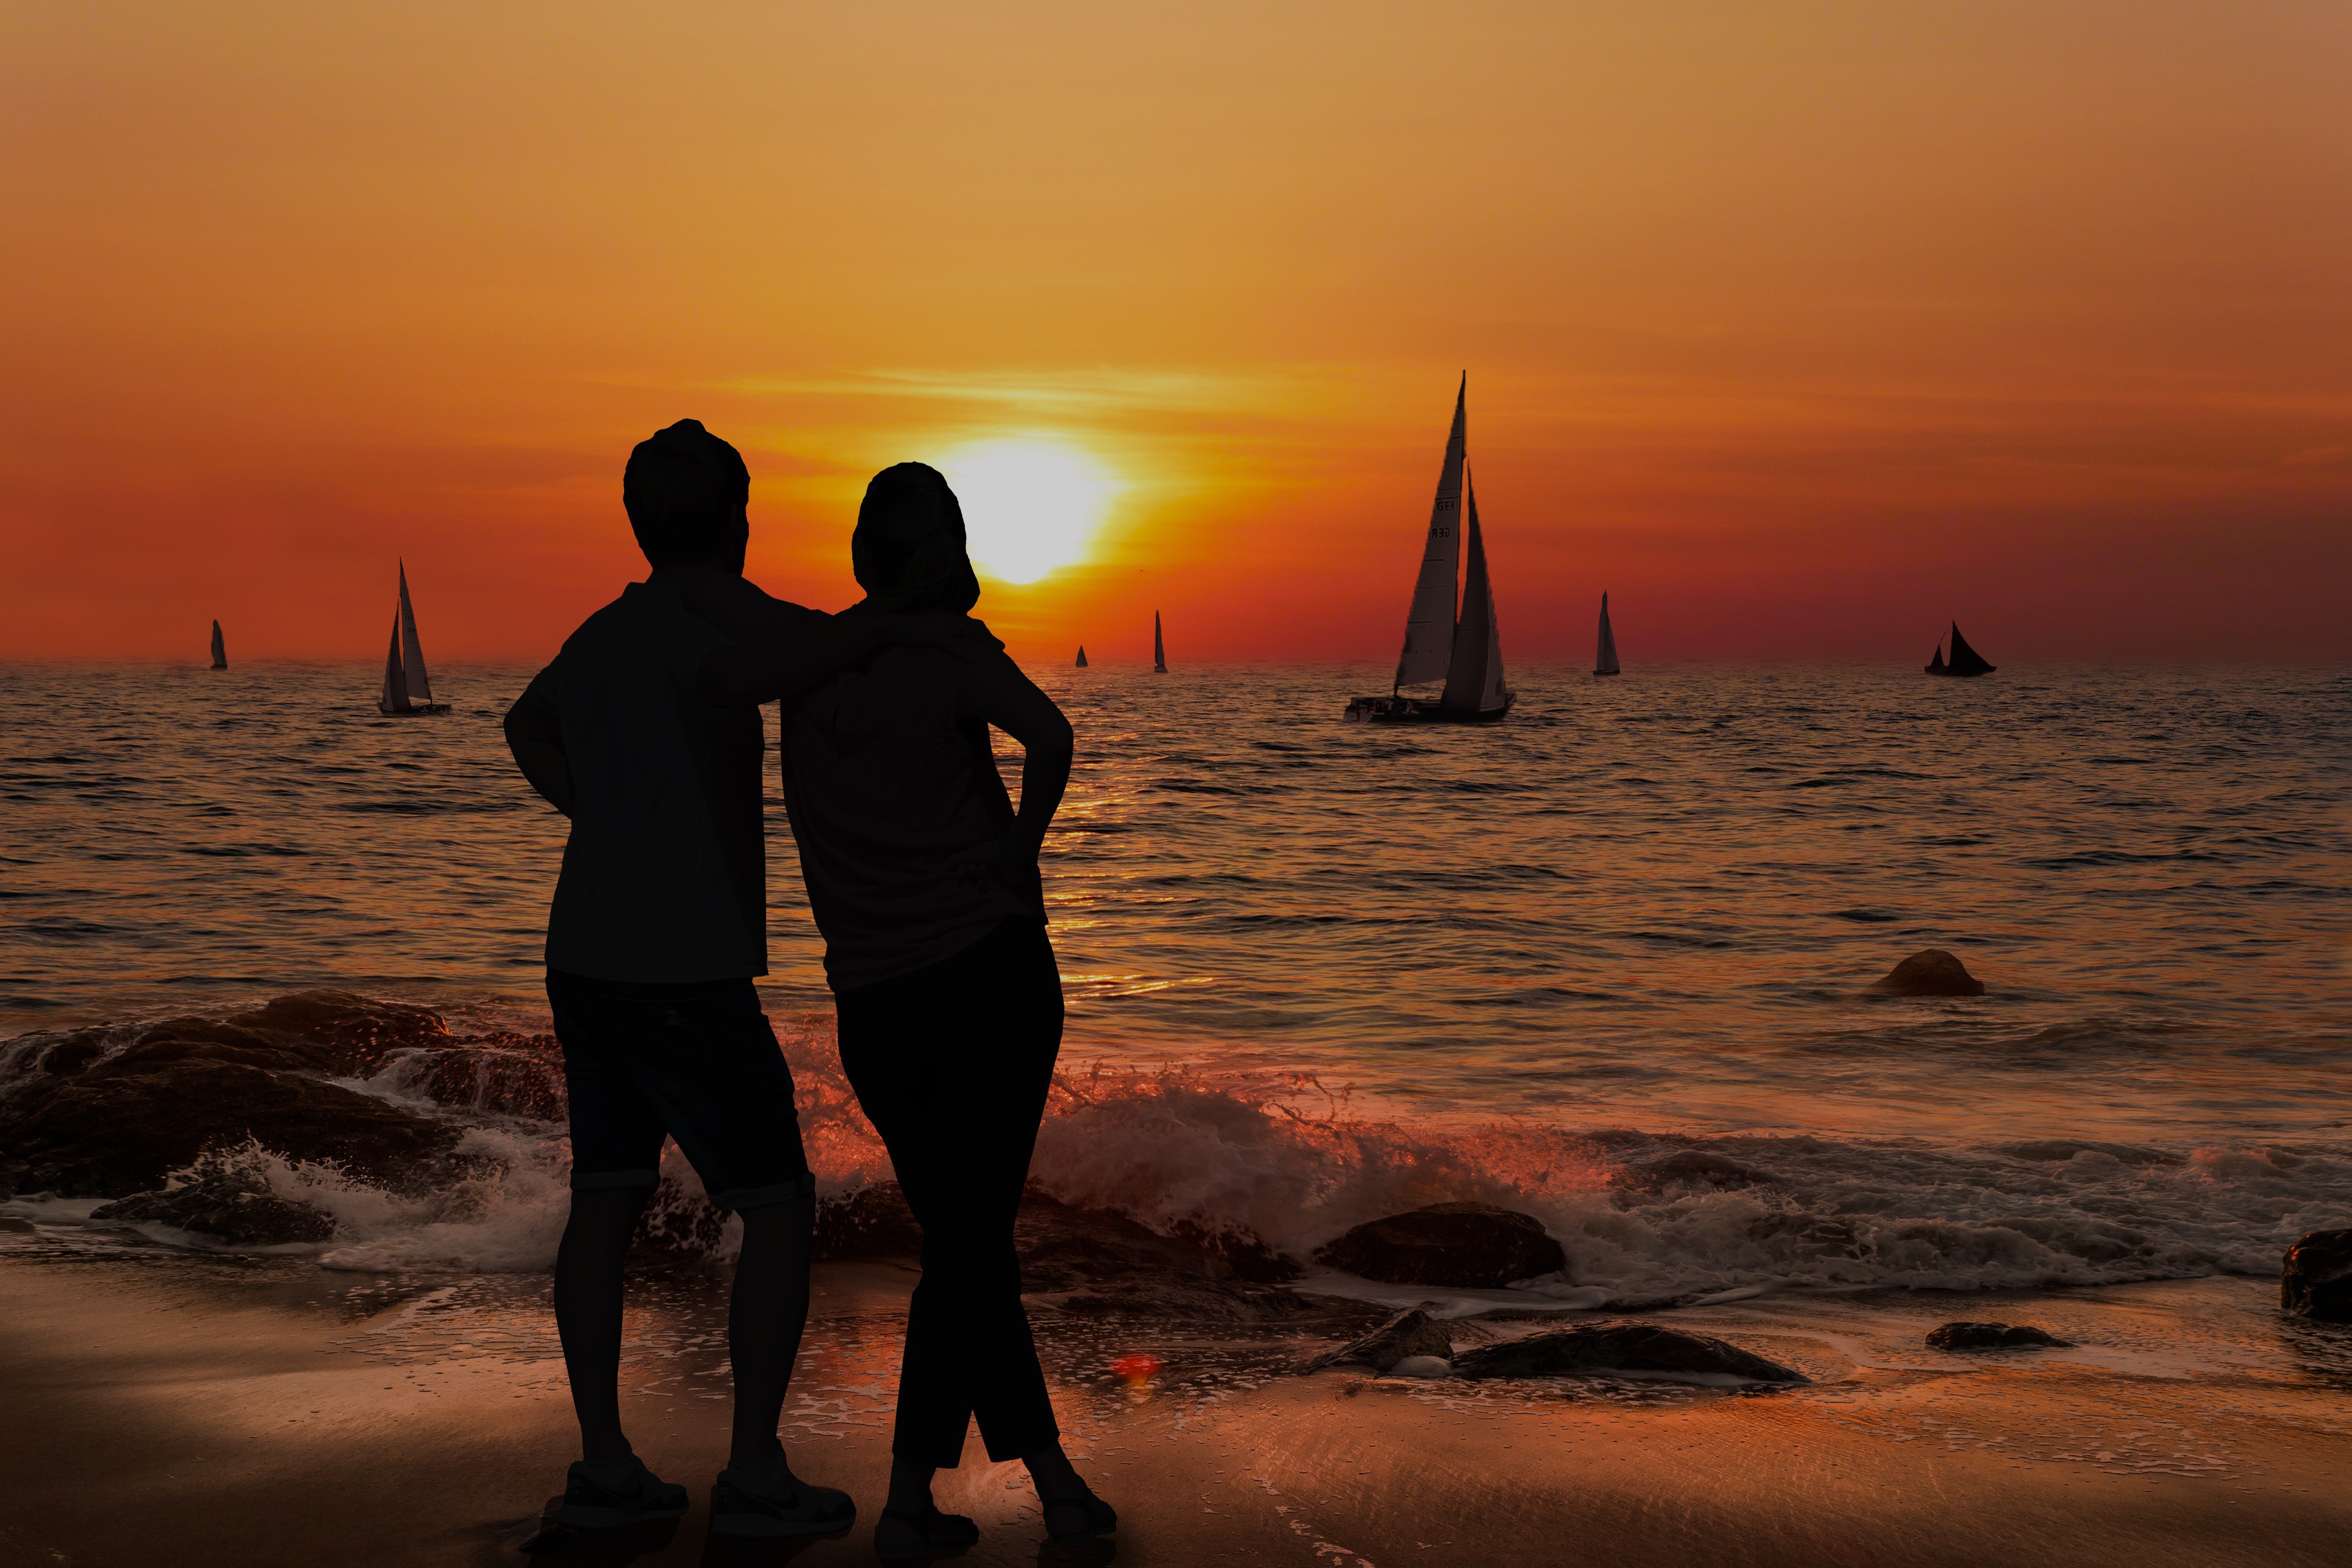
[[107, 1113], [1466, 1246], [2317, 1281], [1618, 1347], [236, 1206], [1931, 972], [1990, 1337], [1408, 1334]]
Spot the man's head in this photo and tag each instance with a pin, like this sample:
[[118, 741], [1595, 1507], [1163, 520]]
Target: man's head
[[686, 492], [909, 549]]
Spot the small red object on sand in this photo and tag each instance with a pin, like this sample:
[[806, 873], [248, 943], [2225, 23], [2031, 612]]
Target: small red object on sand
[[1137, 1369]]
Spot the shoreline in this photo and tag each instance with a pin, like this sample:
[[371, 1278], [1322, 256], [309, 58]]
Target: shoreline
[[252, 1411]]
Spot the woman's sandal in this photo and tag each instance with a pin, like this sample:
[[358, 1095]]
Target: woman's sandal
[[903, 1532], [1080, 1518]]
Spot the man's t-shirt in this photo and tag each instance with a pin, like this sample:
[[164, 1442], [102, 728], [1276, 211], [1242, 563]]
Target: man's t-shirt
[[887, 779], [664, 874]]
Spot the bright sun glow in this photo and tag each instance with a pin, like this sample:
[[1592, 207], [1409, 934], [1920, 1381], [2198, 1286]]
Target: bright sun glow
[[1030, 506]]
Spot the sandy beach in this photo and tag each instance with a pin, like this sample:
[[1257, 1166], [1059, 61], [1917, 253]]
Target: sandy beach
[[253, 1411]]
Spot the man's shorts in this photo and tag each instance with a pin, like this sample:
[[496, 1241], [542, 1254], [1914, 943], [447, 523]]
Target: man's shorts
[[697, 1063]]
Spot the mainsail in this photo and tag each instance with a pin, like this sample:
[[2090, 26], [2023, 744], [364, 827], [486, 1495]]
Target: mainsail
[[412, 657], [1474, 676], [220, 648], [1605, 661], [1082, 656], [396, 685], [1429, 630], [1967, 661], [1159, 649]]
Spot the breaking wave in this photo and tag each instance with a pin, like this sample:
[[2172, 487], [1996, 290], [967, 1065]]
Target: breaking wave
[[1253, 1157]]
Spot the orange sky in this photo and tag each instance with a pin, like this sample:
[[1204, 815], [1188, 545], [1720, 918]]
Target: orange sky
[[1801, 329]]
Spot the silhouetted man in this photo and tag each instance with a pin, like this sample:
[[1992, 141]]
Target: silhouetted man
[[645, 733]]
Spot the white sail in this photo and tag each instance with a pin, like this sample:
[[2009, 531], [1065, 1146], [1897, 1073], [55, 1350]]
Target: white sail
[[1429, 625], [412, 657], [1605, 661], [396, 685], [1474, 679]]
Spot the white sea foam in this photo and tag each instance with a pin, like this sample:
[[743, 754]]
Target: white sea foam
[[1277, 1160]]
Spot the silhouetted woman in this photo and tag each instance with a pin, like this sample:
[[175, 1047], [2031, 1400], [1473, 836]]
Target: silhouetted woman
[[924, 882]]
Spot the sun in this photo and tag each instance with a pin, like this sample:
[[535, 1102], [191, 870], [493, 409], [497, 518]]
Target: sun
[[1031, 504]]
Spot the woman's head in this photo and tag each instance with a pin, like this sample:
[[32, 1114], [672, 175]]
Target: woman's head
[[909, 549]]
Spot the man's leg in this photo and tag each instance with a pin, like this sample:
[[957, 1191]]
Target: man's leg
[[764, 1319], [588, 1313]]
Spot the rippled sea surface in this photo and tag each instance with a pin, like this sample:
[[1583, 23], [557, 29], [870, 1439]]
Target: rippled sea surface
[[1660, 898]]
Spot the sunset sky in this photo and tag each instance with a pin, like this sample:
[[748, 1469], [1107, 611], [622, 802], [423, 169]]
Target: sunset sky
[[1801, 329]]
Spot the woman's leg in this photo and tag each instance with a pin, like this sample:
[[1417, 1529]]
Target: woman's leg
[[953, 1067]]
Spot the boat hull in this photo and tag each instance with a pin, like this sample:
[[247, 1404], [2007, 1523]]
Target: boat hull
[[413, 710], [1417, 711], [1948, 673]]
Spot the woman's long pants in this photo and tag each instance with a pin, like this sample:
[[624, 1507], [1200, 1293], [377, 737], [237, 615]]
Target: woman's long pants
[[952, 1064]]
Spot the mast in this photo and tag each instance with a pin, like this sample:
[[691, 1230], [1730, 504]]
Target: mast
[[412, 656], [1604, 662], [1158, 647], [220, 649], [1474, 676], [1429, 625]]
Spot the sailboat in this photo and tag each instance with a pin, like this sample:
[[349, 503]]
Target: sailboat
[[1464, 651], [1082, 656], [1605, 661], [1966, 660], [406, 686], [220, 648], [1159, 649]]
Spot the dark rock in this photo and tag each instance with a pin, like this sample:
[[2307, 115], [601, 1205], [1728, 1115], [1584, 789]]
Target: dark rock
[[1931, 972], [1409, 1333], [102, 1133], [1618, 1347], [1990, 1337], [233, 1205], [1185, 1296], [507, 1075], [872, 1222], [1695, 1167], [1062, 1246], [2317, 1281], [1467, 1246]]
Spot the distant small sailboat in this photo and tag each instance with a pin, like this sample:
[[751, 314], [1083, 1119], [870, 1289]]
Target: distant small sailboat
[[220, 648], [1605, 661], [1966, 660], [1465, 649], [1082, 656], [1158, 647], [408, 688]]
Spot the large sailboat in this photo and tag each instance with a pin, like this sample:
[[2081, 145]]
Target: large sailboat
[[1463, 649], [1966, 660], [408, 688]]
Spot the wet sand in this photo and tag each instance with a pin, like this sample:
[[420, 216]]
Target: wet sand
[[164, 1409]]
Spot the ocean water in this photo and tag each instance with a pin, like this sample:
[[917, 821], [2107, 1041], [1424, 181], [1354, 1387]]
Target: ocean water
[[1607, 961]]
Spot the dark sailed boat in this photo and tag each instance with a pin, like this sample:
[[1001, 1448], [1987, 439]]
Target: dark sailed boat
[[1966, 660], [1464, 651], [220, 648], [408, 688]]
